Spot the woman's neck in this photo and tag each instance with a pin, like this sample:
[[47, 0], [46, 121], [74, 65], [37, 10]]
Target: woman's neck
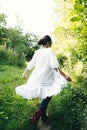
[[46, 46]]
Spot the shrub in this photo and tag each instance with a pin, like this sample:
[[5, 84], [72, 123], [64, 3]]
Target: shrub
[[3, 56], [10, 57], [15, 111], [61, 59], [68, 109]]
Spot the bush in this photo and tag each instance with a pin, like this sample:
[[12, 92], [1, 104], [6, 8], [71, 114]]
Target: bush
[[3, 56], [15, 111], [61, 59], [9, 57], [30, 52], [68, 109]]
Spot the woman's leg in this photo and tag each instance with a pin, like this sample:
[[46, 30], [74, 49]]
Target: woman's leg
[[41, 111], [44, 105]]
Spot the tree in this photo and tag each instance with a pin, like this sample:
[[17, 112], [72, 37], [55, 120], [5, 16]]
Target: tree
[[30, 45], [71, 31], [14, 45], [71, 36], [3, 30], [2, 20], [3, 36]]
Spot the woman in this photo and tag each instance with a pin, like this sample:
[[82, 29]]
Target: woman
[[46, 79]]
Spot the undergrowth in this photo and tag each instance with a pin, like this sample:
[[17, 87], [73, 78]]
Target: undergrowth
[[15, 111], [67, 110]]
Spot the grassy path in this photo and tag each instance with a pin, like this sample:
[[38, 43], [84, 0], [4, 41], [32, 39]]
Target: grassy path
[[15, 111], [43, 126]]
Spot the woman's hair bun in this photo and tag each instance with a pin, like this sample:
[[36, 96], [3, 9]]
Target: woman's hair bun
[[41, 42], [44, 40]]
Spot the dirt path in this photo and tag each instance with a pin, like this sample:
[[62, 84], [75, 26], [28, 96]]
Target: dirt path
[[43, 126]]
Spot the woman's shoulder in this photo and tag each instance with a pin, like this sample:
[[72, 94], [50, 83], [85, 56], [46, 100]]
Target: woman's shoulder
[[38, 51], [51, 51], [45, 50]]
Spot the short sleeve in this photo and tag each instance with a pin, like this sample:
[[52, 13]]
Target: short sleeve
[[53, 61], [31, 63]]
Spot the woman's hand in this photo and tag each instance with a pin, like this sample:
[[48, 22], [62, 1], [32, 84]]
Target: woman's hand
[[67, 78], [62, 73], [25, 75]]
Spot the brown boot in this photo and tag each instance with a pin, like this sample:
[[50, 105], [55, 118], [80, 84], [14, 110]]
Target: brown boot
[[36, 116]]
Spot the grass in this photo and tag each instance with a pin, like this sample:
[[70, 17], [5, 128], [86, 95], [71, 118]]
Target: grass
[[66, 110], [15, 111]]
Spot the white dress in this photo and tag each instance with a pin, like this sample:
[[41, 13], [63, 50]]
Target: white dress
[[44, 81]]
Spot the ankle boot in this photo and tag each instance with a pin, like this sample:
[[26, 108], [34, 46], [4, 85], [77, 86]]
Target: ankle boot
[[36, 116]]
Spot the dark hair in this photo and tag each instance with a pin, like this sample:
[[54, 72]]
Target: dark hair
[[44, 40]]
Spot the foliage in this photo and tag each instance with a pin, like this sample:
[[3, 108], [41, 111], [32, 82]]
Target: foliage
[[15, 46], [69, 108], [2, 20], [61, 59], [80, 10], [30, 45], [15, 112], [3, 35], [11, 58]]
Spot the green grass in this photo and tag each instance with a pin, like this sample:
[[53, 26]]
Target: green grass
[[15, 111], [66, 110]]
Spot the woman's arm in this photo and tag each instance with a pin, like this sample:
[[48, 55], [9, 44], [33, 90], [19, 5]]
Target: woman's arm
[[30, 65], [25, 75], [62, 73]]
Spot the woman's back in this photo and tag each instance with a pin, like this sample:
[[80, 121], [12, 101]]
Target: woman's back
[[43, 71]]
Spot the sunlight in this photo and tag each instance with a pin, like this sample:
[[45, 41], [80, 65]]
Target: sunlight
[[33, 15]]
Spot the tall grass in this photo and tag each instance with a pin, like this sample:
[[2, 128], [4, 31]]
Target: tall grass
[[10, 57], [15, 111], [67, 110]]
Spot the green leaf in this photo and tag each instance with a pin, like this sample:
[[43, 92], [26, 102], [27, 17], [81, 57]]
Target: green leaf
[[77, 18], [79, 7]]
